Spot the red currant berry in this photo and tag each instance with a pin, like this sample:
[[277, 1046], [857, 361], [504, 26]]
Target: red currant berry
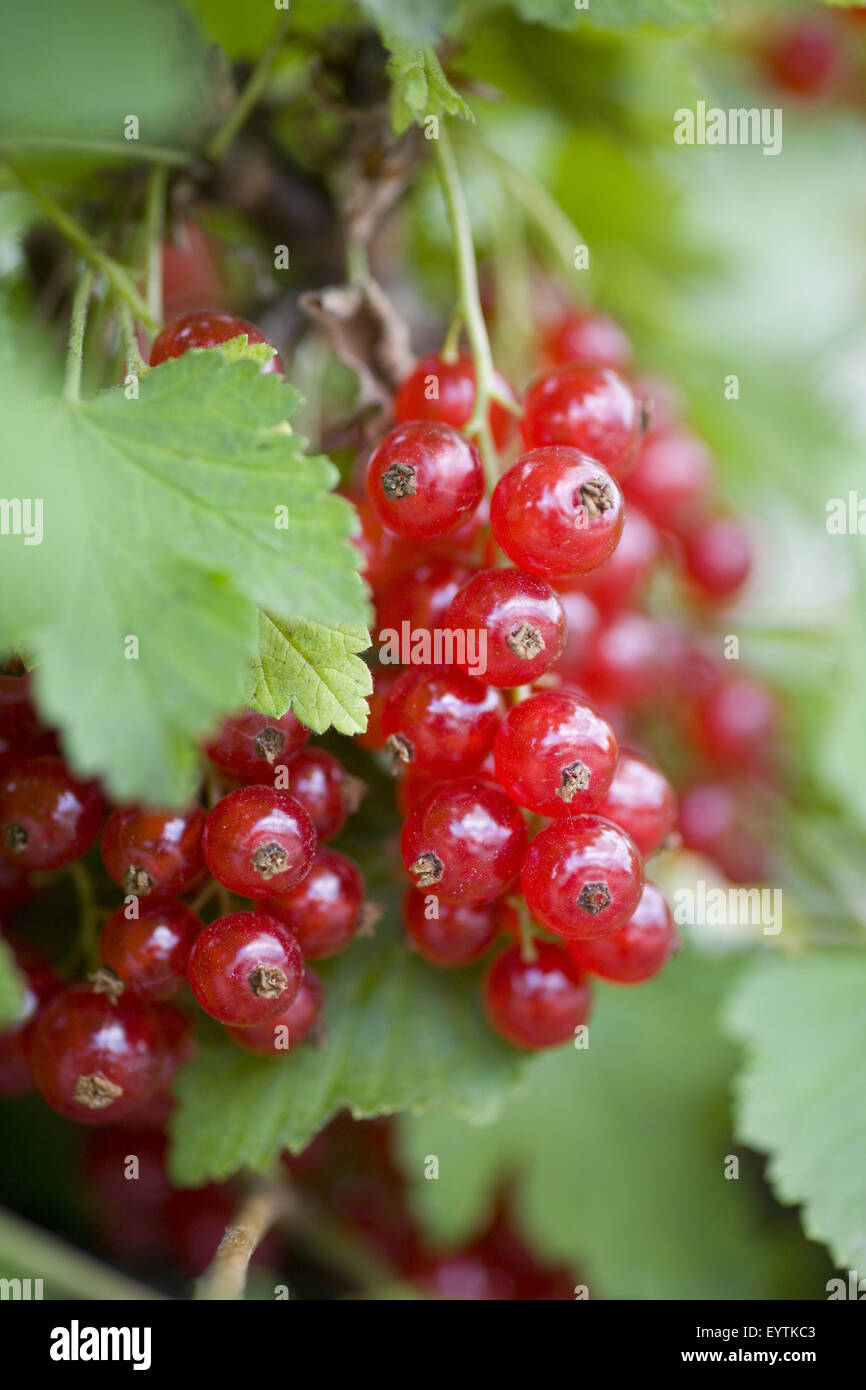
[[245, 968], [324, 910], [555, 754], [154, 853], [440, 720], [582, 623], [588, 337], [149, 953], [192, 277], [96, 1058], [440, 390], [641, 801], [420, 598], [19, 745], [671, 479], [620, 579], [424, 479], [459, 933], [384, 679], [47, 817], [415, 783], [40, 985], [324, 789], [630, 660], [588, 408], [713, 823], [16, 708], [464, 841], [718, 557], [522, 622], [258, 841], [206, 329], [289, 1029], [556, 512], [638, 950], [737, 722], [249, 745], [803, 57], [536, 1003], [582, 878]]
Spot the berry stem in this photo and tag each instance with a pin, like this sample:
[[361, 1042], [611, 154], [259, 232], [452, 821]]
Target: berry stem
[[255, 85], [77, 327], [134, 360], [31, 1251], [89, 913], [154, 222], [539, 208], [226, 1276]]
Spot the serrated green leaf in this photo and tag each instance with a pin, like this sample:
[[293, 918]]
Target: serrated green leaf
[[400, 1035], [419, 87], [11, 986], [313, 670], [801, 1096], [160, 524], [240, 349]]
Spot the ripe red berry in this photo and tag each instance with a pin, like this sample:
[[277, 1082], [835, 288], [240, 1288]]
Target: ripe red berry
[[40, 984], [458, 933], [324, 910], [250, 745], [258, 841], [621, 578], [47, 817], [464, 841], [206, 329], [440, 719], [154, 854], [245, 968], [16, 707], [555, 754], [536, 1003], [737, 722], [324, 789], [149, 953], [629, 661], [289, 1029], [582, 878], [192, 277], [94, 1058], [522, 622], [440, 390], [556, 512], [384, 679], [641, 801], [718, 557], [585, 407], [424, 479], [421, 597], [672, 478], [583, 336], [582, 623], [638, 950], [803, 56]]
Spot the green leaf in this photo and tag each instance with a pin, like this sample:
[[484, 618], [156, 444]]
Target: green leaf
[[801, 1096], [313, 669], [419, 86], [617, 14], [400, 1035], [414, 25], [163, 522], [11, 986], [617, 1152]]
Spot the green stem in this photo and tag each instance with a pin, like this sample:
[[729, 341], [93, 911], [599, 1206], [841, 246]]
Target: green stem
[[540, 208], [451, 345], [77, 326], [154, 222], [256, 84], [469, 301], [116, 275], [26, 1251], [134, 360], [122, 149], [88, 933]]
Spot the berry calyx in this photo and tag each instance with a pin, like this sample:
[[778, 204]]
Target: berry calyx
[[586, 407], [288, 1029], [424, 479], [258, 841], [521, 620], [149, 953], [207, 329], [47, 817], [245, 968], [556, 512], [325, 909], [536, 1003], [454, 934], [250, 745], [441, 390], [555, 754], [636, 951], [582, 878], [641, 801], [440, 720], [155, 854], [464, 841]]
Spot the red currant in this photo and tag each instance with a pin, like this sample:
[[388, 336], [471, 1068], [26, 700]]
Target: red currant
[[96, 1058], [582, 620], [585, 407], [621, 578], [149, 953], [440, 390], [464, 841], [245, 968], [641, 801], [16, 707], [803, 56], [458, 933], [206, 329], [556, 512], [421, 597], [582, 878], [718, 557], [555, 754], [384, 679], [47, 817], [638, 950], [154, 853], [671, 479], [258, 841], [583, 336], [737, 722], [324, 789], [249, 745], [289, 1029], [522, 621], [536, 1003], [425, 479], [324, 910], [718, 820], [192, 277], [440, 719], [629, 661]]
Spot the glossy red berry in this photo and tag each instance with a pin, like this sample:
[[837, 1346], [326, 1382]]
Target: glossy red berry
[[95, 1058], [718, 557], [555, 754], [384, 679], [454, 934], [582, 878], [622, 577], [324, 910], [258, 841], [629, 661], [245, 968], [39, 985], [250, 745], [47, 817], [324, 789], [149, 953], [556, 512], [672, 478], [290, 1028], [715, 822], [520, 623], [588, 337], [536, 1003], [586, 407], [464, 841], [155, 854], [440, 390], [420, 598], [803, 56], [206, 329], [439, 719], [638, 950], [641, 801], [582, 620], [737, 722], [192, 277], [424, 479]]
